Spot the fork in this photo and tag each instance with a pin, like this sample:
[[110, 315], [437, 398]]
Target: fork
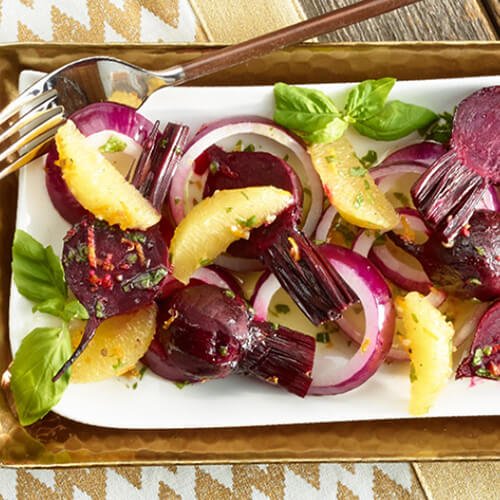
[[29, 122]]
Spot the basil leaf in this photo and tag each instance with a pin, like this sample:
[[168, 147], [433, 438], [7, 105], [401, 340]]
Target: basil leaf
[[299, 108], [333, 131], [38, 273], [366, 99], [439, 130], [54, 306], [74, 310], [397, 119], [42, 352]]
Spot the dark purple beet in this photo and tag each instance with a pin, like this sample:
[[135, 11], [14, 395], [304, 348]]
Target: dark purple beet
[[484, 357], [448, 192], [313, 284], [468, 268], [112, 271], [207, 333]]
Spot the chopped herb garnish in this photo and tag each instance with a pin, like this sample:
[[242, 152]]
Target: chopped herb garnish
[[358, 201], [181, 385], [119, 364], [474, 281], [480, 251], [414, 317], [136, 236], [369, 159], [230, 294], [357, 172], [213, 167], [367, 185], [228, 209], [99, 309], [250, 222], [330, 159], [205, 262], [134, 386], [177, 200], [478, 357], [132, 258], [237, 146], [223, 350], [145, 280], [250, 148], [285, 158], [178, 151], [282, 309], [275, 326], [402, 198], [319, 242], [113, 145], [244, 195], [323, 337], [142, 371]]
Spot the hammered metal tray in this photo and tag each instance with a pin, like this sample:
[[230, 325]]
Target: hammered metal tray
[[58, 441]]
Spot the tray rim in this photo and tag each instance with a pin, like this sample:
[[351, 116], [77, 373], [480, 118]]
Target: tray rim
[[180, 460]]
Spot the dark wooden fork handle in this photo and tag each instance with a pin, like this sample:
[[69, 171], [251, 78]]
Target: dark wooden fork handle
[[236, 54]]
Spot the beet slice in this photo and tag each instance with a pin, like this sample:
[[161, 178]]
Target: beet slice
[[207, 333], [484, 357], [448, 192], [302, 271], [468, 268]]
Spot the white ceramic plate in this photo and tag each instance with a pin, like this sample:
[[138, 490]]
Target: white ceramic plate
[[237, 401]]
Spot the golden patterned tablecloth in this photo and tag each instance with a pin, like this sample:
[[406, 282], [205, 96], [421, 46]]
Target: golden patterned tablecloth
[[226, 21]]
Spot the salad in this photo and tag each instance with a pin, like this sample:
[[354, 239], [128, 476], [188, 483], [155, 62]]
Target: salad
[[177, 262]]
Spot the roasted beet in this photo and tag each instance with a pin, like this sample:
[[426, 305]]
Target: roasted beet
[[112, 271], [484, 357], [208, 333], [447, 194], [313, 284], [468, 268]]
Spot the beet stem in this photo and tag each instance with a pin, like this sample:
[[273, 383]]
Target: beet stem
[[283, 357], [88, 335], [313, 284], [447, 194]]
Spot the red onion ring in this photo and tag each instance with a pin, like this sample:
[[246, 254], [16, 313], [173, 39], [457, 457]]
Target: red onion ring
[[90, 120], [325, 223], [228, 127], [375, 297], [422, 153]]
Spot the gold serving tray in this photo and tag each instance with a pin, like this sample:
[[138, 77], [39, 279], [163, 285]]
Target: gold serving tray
[[59, 441]]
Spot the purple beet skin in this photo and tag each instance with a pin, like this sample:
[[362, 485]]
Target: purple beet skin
[[303, 272], [206, 333], [448, 192], [484, 357], [468, 268]]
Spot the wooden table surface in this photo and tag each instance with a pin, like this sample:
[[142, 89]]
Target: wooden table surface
[[426, 20]]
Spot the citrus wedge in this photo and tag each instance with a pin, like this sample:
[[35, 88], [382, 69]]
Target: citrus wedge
[[350, 188], [214, 223], [98, 185], [118, 344], [428, 339]]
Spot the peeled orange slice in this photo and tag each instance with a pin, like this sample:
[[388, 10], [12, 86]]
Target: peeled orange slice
[[350, 188], [118, 344], [428, 338], [214, 223], [98, 185]]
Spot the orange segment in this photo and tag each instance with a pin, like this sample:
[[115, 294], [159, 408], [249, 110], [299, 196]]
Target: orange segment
[[214, 223], [98, 185], [350, 188], [118, 344]]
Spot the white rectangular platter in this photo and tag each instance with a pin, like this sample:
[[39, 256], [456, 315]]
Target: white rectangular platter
[[237, 401]]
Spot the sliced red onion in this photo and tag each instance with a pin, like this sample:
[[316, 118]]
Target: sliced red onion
[[490, 200], [375, 297], [470, 326], [90, 120], [325, 223], [376, 300], [400, 273], [423, 153], [228, 127]]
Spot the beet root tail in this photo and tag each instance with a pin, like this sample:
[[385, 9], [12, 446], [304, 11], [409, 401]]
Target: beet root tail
[[447, 194], [314, 285], [283, 357], [88, 335]]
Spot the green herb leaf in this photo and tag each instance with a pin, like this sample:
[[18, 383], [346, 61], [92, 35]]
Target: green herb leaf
[[113, 145], [282, 309], [333, 131], [368, 98], [38, 273], [369, 159], [74, 310], [299, 108], [440, 129], [42, 352], [396, 120]]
